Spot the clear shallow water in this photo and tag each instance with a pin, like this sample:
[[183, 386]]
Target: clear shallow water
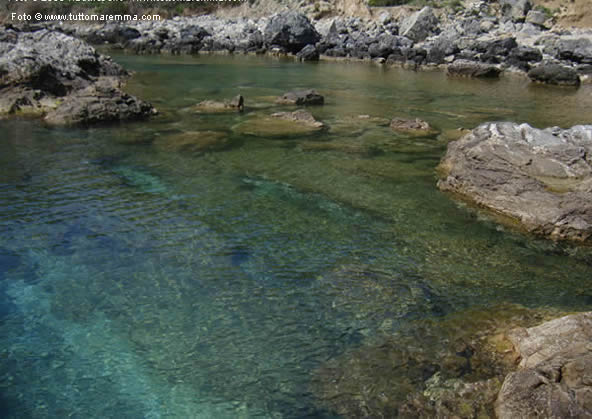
[[140, 278]]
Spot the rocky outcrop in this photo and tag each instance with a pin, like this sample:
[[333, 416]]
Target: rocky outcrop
[[554, 376], [540, 180], [301, 98], [101, 101], [48, 73]]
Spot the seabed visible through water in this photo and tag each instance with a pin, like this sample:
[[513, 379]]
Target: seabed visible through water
[[182, 268]]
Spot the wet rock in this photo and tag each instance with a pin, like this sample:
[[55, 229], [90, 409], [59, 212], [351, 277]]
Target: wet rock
[[236, 104], [291, 31], [412, 126], [540, 180], [308, 53], [554, 378], [301, 98], [554, 74], [420, 25], [45, 72], [466, 68], [102, 101]]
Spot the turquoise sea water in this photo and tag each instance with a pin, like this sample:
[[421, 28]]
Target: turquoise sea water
[[145, 275]]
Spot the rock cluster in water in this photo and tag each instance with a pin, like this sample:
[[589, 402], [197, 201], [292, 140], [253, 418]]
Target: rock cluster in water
[[541, 179], [51, 74], [483, 39]]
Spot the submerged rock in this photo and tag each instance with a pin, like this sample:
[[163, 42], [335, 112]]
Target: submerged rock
[[46, 72], [447, 367], [195, 141], [236, 104], [301, 98], [412, 126], [280, 124], [540, 180], [554, 379]]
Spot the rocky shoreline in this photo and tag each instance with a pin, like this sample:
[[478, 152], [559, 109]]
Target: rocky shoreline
[[48, 74], [483, 40]]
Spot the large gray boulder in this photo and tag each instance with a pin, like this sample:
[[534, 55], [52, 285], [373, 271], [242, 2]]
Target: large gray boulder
[[48, 73], [515, 9], [554, 378], [419, 25], [538, 179], [291, 31]]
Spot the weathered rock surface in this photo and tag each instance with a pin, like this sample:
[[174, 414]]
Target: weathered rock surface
[[101, 101], [301, 98], [291, 31], [420, 25], [555, 377], [466, 68], [45, 72], [538, 179]]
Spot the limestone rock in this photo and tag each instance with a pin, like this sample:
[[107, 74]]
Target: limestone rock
[[538, 179], [555, 378], [420, 25], [48, 73], [291, 31]]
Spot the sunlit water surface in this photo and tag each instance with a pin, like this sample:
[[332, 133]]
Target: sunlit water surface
[[145, 278]]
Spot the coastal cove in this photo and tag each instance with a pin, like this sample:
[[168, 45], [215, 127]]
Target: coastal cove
[[194, 265]]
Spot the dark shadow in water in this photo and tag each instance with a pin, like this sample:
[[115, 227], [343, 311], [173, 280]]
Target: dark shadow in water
[[8, 260], [11, 409]]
